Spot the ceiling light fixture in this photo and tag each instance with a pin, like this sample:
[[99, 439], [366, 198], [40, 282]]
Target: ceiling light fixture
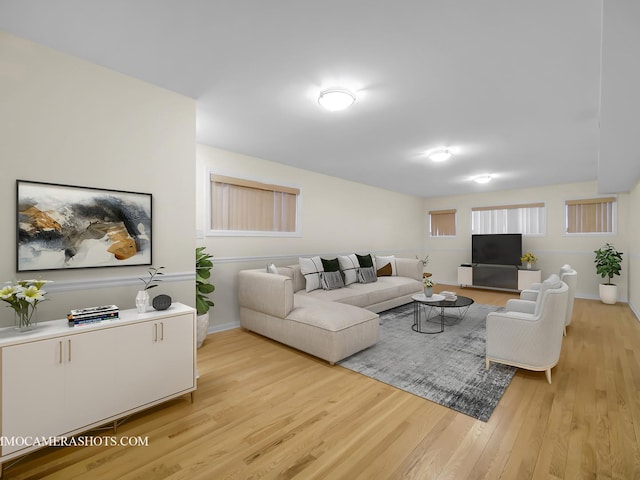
[[482, 179], [335, 99], [440, 154]]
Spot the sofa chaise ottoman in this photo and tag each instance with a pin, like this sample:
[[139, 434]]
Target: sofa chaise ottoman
[[329, 324]]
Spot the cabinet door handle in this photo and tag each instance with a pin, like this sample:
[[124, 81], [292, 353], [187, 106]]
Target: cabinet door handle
[[155, 332], [60, 360], [161, 330], [69, 349]]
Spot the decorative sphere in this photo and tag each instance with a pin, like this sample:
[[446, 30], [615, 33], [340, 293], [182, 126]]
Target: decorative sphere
[[161, 302]]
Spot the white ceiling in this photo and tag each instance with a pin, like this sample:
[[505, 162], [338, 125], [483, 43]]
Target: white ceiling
[[514, 85]]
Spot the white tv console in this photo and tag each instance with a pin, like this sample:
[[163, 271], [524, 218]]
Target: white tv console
[[59, 381], [497, 276]]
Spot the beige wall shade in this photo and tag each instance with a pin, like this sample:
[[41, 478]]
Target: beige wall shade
[[245, 205], [442, 223], [591, 215]]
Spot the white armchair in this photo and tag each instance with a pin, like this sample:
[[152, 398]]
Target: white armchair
[[532, 292], [569, 276], [530, 336]]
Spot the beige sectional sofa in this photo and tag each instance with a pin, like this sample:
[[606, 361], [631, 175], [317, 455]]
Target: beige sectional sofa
[[329, 324]]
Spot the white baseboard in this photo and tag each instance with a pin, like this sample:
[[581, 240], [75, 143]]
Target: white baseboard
[[222, 327]]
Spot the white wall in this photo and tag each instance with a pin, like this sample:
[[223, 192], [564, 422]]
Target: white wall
[[338, 216], [553, 250], [67, 121]]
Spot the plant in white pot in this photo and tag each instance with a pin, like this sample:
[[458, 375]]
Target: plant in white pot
[[608, 261], [142, 298], [203, 289]]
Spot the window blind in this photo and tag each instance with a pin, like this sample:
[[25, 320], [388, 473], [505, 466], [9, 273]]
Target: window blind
[[247, 205], [442, 223], [526, 218], [591, 215]]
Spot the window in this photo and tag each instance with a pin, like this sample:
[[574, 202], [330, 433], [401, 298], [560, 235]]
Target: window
[[528, 219], [591, 215], [442, 223], [247, 207]]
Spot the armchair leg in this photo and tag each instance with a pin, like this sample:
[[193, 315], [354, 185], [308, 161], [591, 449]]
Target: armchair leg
[[564, 332], [547, 372], [487, 363]]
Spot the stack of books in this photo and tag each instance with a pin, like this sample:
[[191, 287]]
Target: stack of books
[[83, 316], [449, 296]]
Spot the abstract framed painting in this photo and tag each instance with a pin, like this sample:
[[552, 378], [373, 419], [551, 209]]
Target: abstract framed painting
[[65, 226]]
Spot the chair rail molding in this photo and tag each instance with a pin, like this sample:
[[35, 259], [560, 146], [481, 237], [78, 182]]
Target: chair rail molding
[[106, 282]]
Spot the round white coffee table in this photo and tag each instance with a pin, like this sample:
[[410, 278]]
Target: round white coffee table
[[436, 301]]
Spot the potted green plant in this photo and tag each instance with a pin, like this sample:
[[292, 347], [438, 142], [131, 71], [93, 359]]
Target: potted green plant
[[203, 289], [608, 261]]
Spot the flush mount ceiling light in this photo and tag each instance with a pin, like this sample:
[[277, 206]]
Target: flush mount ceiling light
[[482, 179], [335, 99], [440, 154]]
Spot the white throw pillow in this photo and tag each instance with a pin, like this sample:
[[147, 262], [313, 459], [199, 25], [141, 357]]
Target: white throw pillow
[[349, 266], [311, 268], [382, 261]]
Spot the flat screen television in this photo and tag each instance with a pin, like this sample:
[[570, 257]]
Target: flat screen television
[[498, 249]]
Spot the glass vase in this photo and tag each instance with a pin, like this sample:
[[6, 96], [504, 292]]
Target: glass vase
[[26, 319]]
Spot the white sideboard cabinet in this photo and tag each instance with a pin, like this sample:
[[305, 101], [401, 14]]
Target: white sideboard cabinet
[[465, 276], [60, 381], [526, 278]]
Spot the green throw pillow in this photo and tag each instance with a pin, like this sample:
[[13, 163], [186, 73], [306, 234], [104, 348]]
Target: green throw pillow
[[331, 265], [365, 260]]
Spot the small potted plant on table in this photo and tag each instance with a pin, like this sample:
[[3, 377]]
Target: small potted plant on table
[[427, 284], [528, 258]]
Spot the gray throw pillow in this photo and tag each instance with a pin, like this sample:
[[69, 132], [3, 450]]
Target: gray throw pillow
[[331, 280], [367, 275]]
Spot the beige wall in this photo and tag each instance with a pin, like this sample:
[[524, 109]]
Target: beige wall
[[634, 250], [67, 121], [338, 217], [553, 250]]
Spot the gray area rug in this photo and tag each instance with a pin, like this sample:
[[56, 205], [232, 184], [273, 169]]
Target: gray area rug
[[447, 368]]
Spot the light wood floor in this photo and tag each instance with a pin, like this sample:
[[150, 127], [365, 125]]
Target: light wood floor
[[264, 411]]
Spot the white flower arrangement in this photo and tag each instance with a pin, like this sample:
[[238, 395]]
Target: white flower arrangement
[[427, 282], [24, 296]]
